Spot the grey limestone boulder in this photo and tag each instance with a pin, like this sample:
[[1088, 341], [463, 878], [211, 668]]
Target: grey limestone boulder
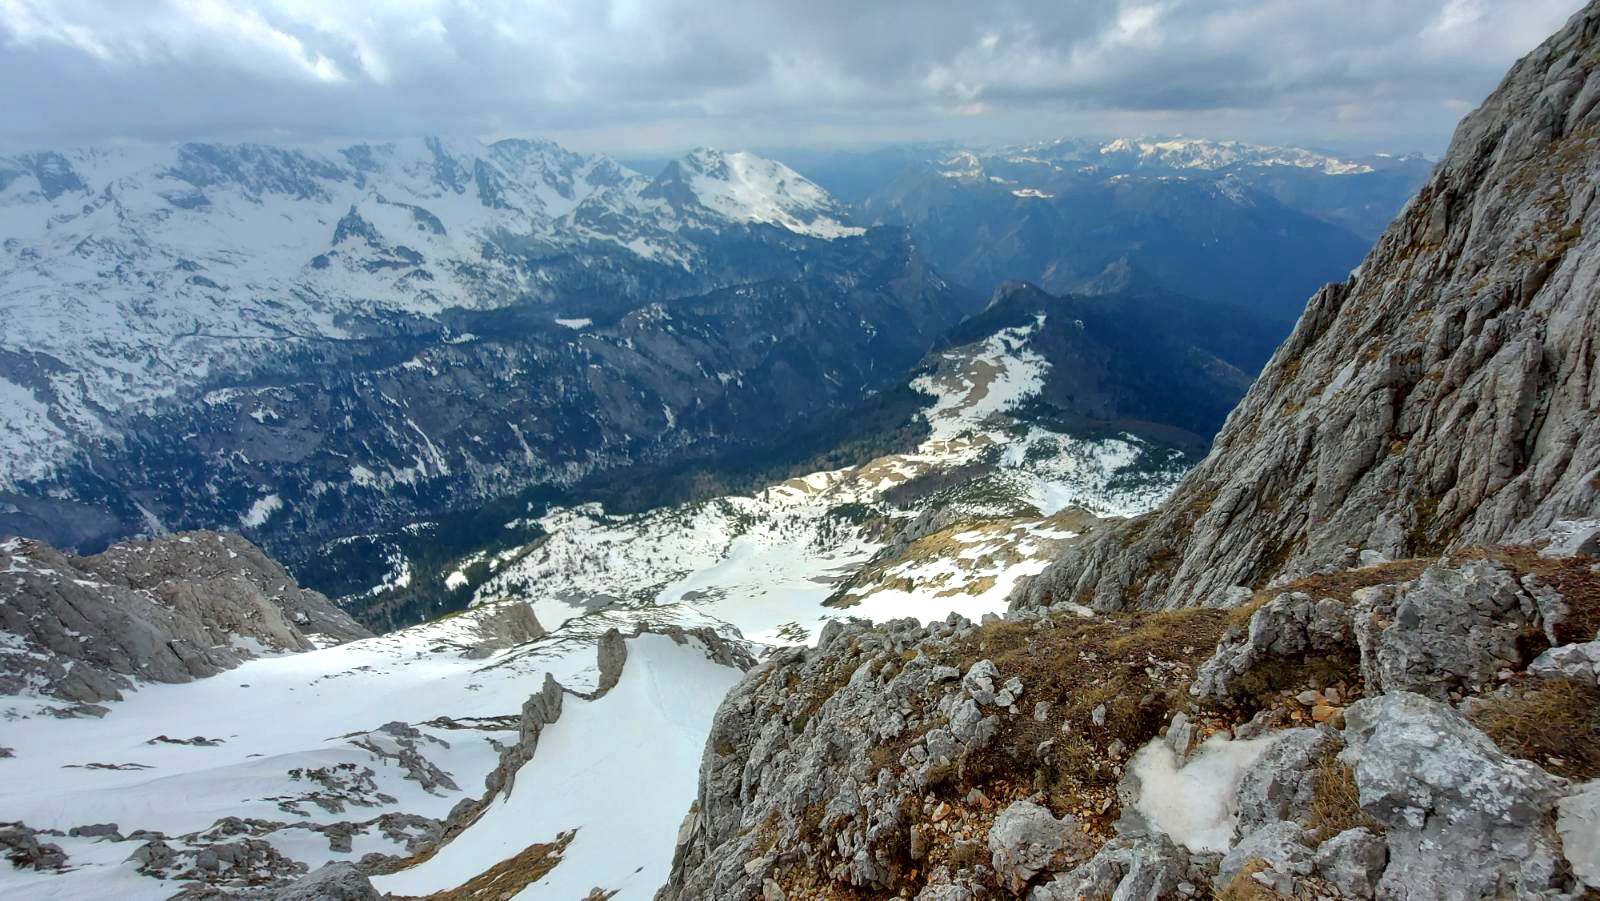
[[1026, 839], [337, 881], [1292, 624], [1578, 824], [1284, 848], [1450, 630], [1281, 783], [1352, 862], [1462, 819], [1578, 662]]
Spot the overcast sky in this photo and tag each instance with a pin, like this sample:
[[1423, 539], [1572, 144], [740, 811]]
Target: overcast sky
[[658, 76]]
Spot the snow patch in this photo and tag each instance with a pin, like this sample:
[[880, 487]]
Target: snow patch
[[261, 511], [1196, 803]]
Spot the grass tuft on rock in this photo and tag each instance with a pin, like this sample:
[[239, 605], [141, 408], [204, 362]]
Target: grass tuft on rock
[[1336, 802]]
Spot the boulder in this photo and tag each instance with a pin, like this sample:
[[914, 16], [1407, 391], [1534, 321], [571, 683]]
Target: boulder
[[1462, 819], [1578, 824], [1127, 868], [96, 830], [1282, 846], [1453, 629], [1290, 625], [1573, 538], [1280, 784], [337, 881], [1352, 862], [22, 847], [1026, 839], [1578, 662], [503, 625]]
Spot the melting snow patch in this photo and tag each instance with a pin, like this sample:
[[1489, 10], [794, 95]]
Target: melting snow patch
[[261, 511], [575, 323], [1196, 803]]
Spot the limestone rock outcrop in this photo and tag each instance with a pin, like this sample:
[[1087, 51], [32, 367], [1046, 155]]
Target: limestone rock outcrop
[[1463, 819], [170, 609]]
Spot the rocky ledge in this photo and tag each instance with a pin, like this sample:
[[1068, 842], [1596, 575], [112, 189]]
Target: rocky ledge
[[1416, 728], [171, 609]]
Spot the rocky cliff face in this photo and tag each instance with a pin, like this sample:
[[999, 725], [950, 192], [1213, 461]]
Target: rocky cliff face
[[1446, 394], [82, 629]]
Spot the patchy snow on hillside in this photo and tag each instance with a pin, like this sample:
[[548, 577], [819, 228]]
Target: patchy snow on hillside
[[261, 511], [999, 373], [297, 744], [775, 564], [31, 444]]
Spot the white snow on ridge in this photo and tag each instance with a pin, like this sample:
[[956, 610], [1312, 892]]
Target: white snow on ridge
[[743, 187], [767, 562], [620, 770]]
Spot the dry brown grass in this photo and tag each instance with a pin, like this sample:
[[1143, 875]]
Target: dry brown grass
[[1335, 801], [511, 875], [1078, 666], [1244, 888], [1554, 723]]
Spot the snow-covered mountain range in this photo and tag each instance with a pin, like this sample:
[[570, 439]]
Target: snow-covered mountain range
[[134, 273], [315, 343], [1122, 155], [1259, 226]]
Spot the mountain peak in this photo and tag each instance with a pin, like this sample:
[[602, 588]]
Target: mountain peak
[[743, 187]]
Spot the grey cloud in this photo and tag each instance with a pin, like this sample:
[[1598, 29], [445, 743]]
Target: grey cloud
[[630, 75]]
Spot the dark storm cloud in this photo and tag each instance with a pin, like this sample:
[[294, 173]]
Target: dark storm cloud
[[634, 74]]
